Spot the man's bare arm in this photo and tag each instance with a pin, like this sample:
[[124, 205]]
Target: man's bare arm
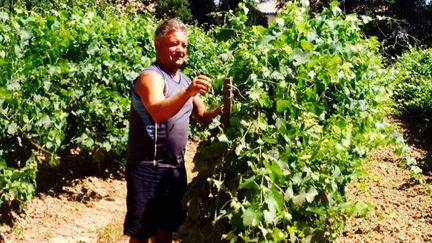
[[201, 113], [150, 86]]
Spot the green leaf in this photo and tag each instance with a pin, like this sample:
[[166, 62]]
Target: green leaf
[[224, 34], [259, 30], [270, 217], [306, 45], [25, 35], [3, 164], [251, 217], [245, 182], [300, 198], [270, 140], [4, 16], [289, 194], [280, 22], [89, 143], [274, 200], [223, 138], [299, 57], [276, 171], [279, 235], [282, 105], [311, 194], [305, 196], [264, 40], [12, 129]]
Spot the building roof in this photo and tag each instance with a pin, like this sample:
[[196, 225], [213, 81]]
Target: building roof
[[268, 7]]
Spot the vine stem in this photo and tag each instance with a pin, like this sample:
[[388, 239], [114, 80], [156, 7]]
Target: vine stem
[[4, 116], [35, 144], [264, 235], [238, 90], [217, 202], [261, 191], [40, 147]]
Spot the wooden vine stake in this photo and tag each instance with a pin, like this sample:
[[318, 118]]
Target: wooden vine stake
[[227, 102]]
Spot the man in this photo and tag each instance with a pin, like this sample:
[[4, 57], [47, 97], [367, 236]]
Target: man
[[163, 99]]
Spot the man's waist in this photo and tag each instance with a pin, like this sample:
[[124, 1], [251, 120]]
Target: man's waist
[[157, 163]]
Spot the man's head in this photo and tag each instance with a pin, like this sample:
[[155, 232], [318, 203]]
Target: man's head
[[171, 43]]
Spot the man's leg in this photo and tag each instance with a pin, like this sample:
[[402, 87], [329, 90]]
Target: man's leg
[[137, 240], [141, 181], [162, 236]]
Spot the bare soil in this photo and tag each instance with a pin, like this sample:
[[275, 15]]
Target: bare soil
[[91, 208], [86, 210], [403, 207], [76, 215]]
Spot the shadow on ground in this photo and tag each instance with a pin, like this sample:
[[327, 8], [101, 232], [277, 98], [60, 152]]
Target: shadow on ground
[[418, 133], [52, 179]]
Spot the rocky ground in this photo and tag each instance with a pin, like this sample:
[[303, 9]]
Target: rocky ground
[[91, 209]]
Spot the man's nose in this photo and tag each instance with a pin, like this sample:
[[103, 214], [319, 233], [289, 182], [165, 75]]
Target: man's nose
[[180, 48]]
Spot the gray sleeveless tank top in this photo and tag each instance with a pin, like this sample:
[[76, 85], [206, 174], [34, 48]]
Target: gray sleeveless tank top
[[162, 143]]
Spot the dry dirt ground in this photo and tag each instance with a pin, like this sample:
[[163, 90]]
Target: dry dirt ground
[[91, 209], [87, 210], [403, 209]]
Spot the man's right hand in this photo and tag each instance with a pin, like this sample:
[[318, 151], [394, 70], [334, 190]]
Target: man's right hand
[[200, 85]]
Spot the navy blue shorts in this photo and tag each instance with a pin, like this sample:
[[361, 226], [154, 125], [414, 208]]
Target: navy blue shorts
[[154, 196]]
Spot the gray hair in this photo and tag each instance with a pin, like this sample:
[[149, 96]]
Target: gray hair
[[168, 25]]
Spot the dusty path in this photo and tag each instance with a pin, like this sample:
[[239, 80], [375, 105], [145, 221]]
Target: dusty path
[[77, 215], [86, 211], [403, 209], [92, 209]]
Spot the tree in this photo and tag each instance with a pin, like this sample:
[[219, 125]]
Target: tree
[[226, 5], [255, 17], [404, 22], [201, 10], [173, 9]]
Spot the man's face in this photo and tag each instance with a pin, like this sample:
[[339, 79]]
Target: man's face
[[171, 49]]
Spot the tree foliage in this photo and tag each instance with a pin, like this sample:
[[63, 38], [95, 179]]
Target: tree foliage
[[201, 11], [226, 5], [46, 5], [413, 89], [400, 23], [173, 9], [255, 17]]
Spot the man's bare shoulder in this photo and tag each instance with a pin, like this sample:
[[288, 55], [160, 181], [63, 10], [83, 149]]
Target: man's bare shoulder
[[149, 81], [150, 76]]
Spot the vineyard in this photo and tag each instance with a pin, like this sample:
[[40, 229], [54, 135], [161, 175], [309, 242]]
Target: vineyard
[[312, 98]]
